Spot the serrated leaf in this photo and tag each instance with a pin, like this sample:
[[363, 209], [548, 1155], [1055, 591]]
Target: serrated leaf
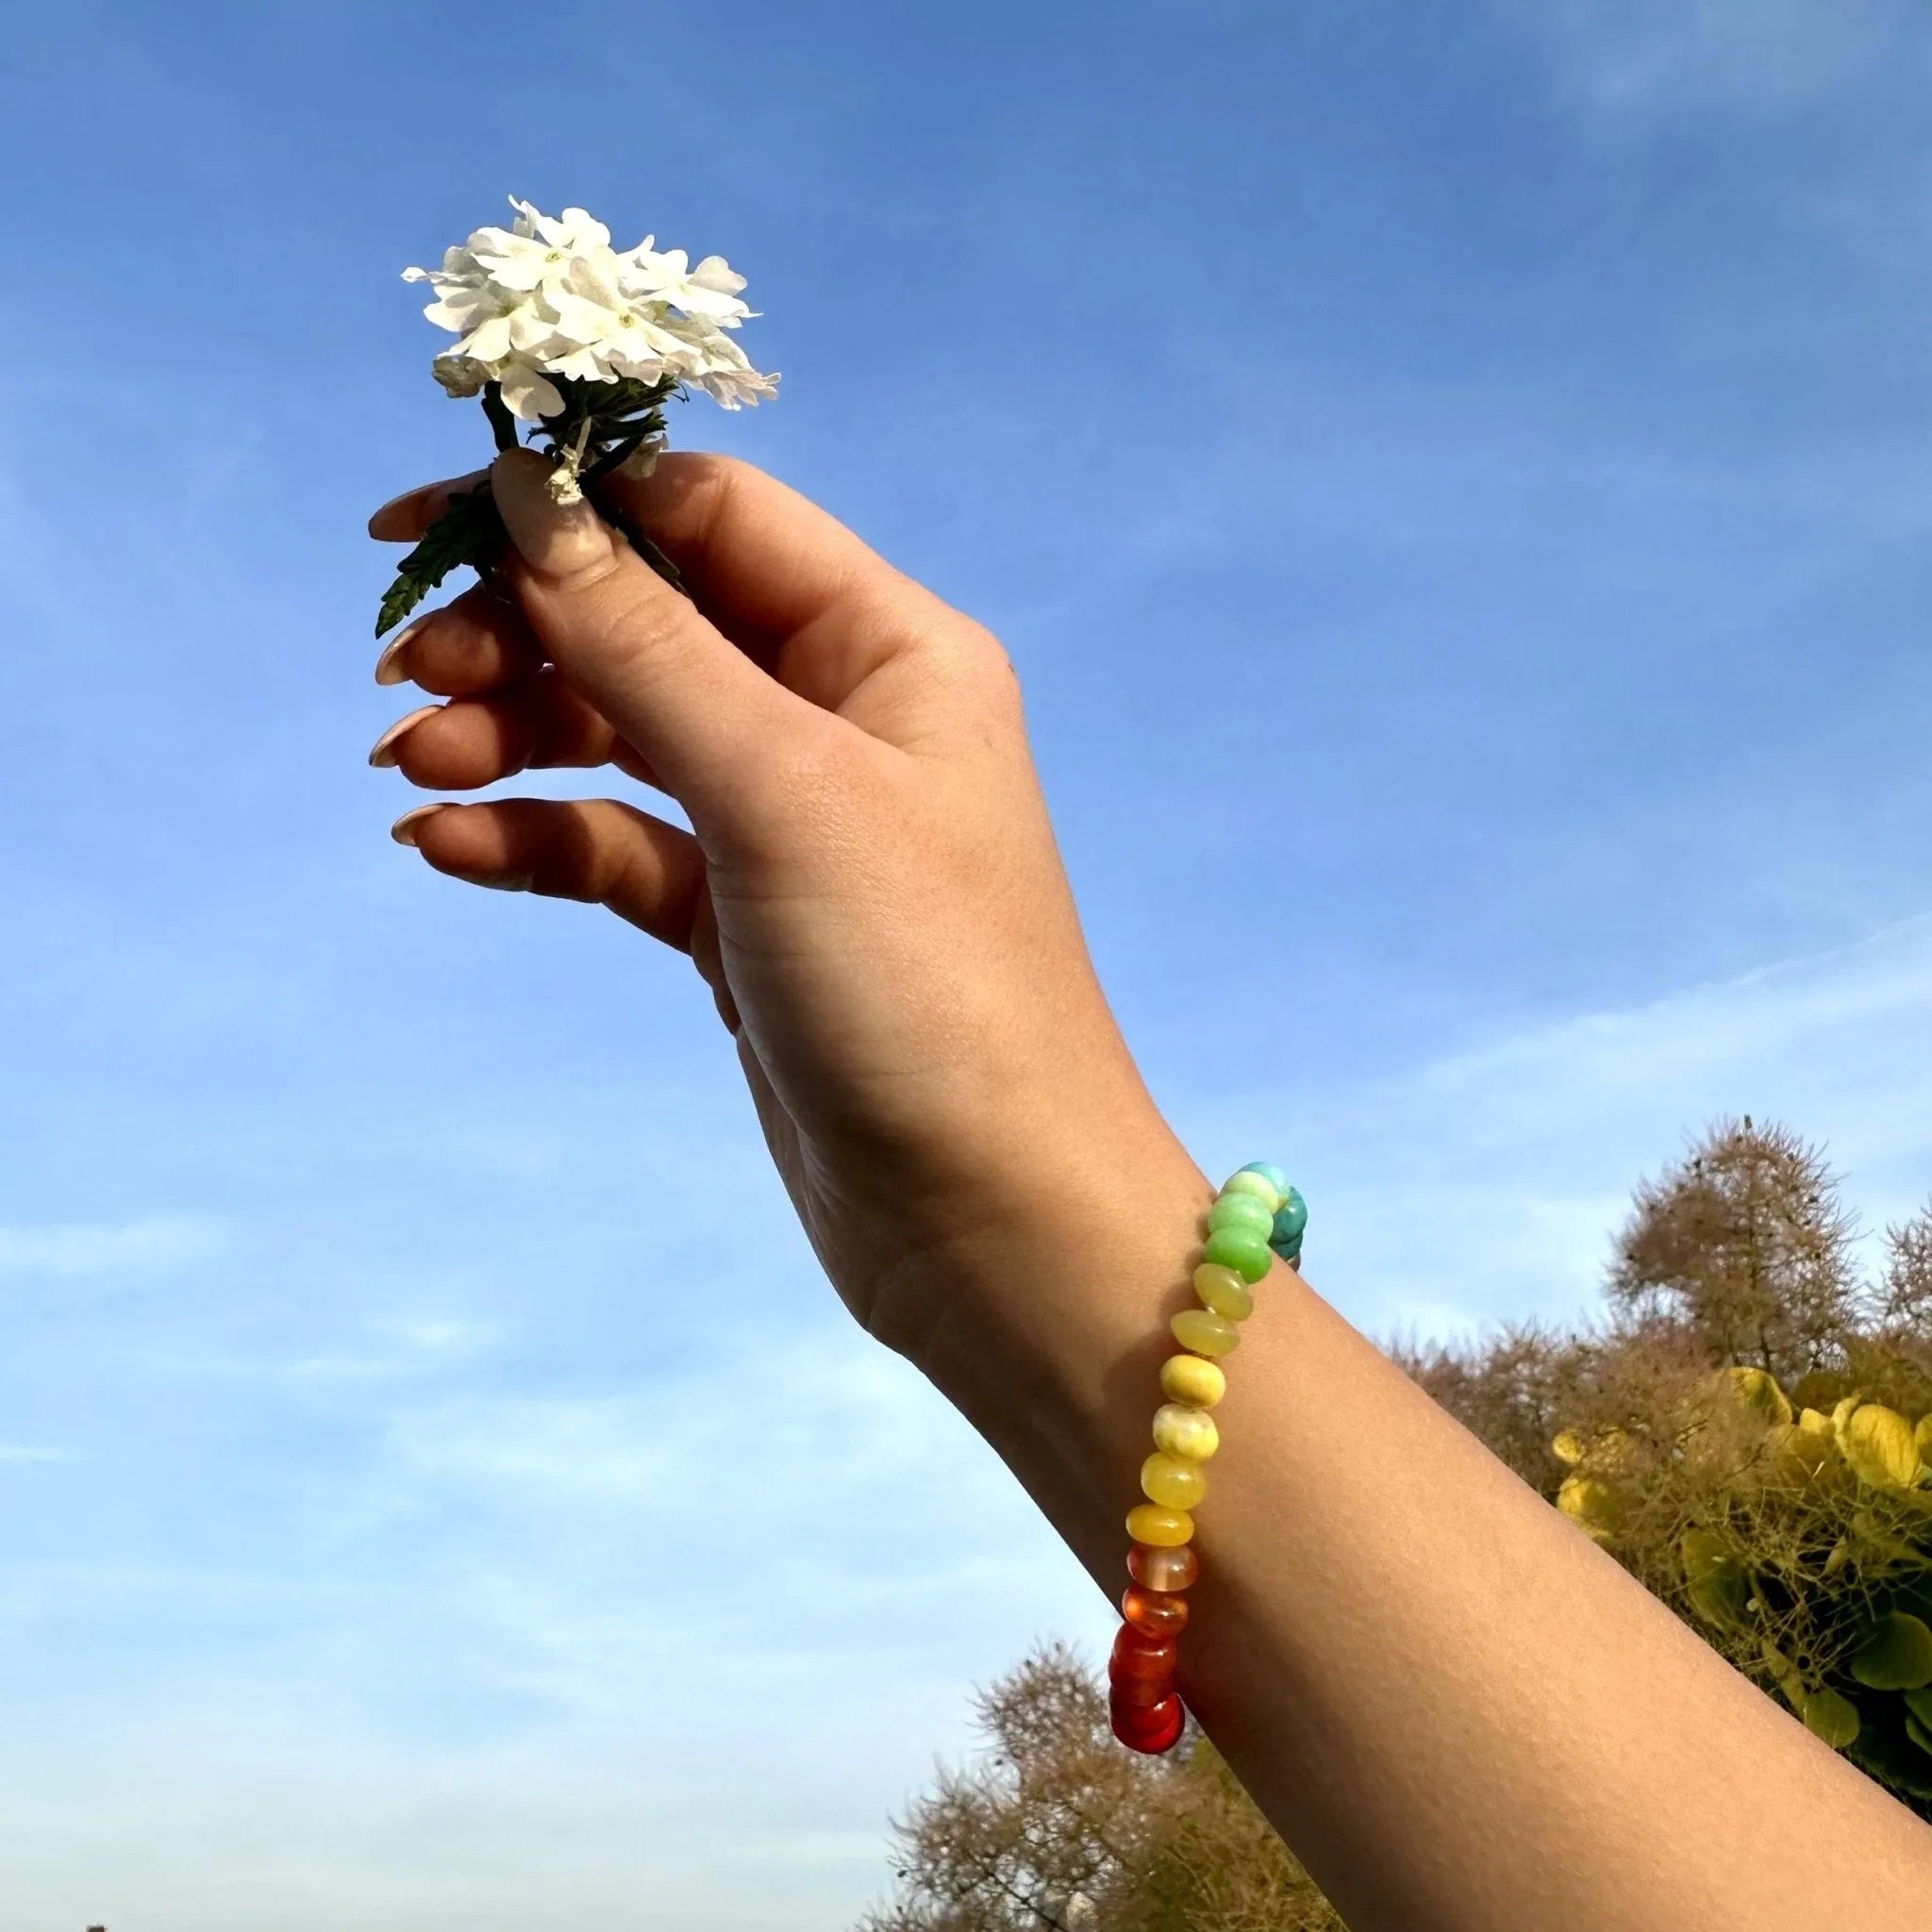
[[470, 531]]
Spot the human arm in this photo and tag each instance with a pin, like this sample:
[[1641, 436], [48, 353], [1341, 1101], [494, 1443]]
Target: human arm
[[1459, 1712]]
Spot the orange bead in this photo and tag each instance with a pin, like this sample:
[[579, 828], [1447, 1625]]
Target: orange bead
[[1155, 1612], [1162, 1569]]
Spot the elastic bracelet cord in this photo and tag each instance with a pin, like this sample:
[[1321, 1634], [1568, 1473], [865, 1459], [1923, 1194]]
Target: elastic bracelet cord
[[1255, 1216]]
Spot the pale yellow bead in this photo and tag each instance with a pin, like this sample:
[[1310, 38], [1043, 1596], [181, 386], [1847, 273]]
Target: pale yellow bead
[[1171, 1483], [1187, 1378], [1159, 1528], [1205, 1332], [1257, 1185], [1223, 1291], [1181, 1429]]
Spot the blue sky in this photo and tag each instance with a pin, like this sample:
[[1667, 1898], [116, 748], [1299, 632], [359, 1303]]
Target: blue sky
[[1473, 457]]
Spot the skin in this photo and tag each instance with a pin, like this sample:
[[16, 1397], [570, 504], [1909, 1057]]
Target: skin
[[1459, 1712]]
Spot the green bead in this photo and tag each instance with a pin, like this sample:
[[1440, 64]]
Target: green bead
[[1242, 1210], [1290, 1220], [1257, 1185], [1243, 1249], [1271, 1173]]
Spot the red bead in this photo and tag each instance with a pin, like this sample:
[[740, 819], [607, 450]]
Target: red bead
[[1141, 1656], [1162, 1570], [1150, 1728], [1155, 1612], [1124, 1691]]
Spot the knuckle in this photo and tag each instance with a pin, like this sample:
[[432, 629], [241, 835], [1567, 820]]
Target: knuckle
[[968, 659]]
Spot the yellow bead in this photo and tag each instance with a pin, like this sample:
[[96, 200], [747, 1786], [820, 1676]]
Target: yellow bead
[[1223, 1291], [1187, 1378], [1205, 1332], [1258, 1185], [1186, 1432], [1171, 1483], [1162, 1529]]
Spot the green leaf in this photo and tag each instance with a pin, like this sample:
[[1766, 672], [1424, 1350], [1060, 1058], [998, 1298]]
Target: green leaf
[[1918, 1734], [1885, 1750], [1716, 1582], [503, 426], [469, 531], [1920, 1704], [1831, 1717], [1895, 1655]]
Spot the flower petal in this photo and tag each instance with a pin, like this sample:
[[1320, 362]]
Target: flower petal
[[489, 343], [528, 393]]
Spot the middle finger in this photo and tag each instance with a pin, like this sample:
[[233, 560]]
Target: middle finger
[[475, 643]]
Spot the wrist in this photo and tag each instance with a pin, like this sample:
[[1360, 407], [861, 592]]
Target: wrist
[[1045, 1323]]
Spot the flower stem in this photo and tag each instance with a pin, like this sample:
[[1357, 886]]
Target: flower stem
[[502, 424]]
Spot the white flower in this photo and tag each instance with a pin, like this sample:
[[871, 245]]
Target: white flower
[[709, 290], [551, 298]]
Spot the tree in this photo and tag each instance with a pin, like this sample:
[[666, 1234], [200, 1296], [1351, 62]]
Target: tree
[[1057, 1829], [1904, 1301], [1744, 1248], [1512, 1391]]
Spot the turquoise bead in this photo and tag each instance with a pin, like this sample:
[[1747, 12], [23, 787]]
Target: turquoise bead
[[1289, 1221], [1243, 1249], [1242, 1210], [1270, 1174]]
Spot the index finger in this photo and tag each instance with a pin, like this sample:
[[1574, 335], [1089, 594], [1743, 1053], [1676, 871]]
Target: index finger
[[762, 561]]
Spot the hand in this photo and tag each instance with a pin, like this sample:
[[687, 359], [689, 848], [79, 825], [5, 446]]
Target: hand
[[870, 887]]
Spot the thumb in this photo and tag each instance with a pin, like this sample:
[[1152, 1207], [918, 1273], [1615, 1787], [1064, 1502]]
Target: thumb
[[700, 711]]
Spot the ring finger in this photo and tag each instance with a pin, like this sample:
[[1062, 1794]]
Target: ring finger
[[473, 741]]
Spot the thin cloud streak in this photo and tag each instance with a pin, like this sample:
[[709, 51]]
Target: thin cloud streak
[[1487, 1183], [74, 1251]]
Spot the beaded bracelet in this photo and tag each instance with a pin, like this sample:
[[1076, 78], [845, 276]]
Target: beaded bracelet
[[1254, 1217]]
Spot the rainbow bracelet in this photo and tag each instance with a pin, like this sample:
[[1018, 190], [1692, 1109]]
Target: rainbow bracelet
[[1254, 1217]]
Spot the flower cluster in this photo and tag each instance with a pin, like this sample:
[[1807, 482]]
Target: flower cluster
[[549, 299], [585, 345]]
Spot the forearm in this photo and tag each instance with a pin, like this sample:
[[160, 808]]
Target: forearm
[[1459, 1712]]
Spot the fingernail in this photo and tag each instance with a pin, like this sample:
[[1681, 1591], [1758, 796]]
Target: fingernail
[[559, 540], [398, 521], [389, 667], [392, 521], [404, 830], [503, 881], [382, 754]]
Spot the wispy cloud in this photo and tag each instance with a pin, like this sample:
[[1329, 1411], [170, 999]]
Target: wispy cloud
[[33, 1452], [387, 1348], [1647, 56], [1488, 1182], [72, 1249]]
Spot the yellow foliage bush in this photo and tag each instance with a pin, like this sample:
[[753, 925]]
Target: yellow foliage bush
[[1799, 1542]]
